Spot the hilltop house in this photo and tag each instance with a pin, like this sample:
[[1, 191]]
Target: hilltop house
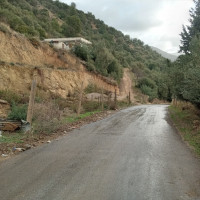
[[67, 43]]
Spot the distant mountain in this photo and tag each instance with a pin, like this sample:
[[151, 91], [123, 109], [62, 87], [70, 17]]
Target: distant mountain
[[171, 57]]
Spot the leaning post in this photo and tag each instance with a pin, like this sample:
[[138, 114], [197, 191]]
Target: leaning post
[[32, 98], [80, 100]]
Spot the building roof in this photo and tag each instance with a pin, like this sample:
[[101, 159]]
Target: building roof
[[72, 39]]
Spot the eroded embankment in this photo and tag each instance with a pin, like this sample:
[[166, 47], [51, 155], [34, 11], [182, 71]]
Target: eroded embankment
[[59, 72]]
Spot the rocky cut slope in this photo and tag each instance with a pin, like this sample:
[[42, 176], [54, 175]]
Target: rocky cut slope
[[59, 72]]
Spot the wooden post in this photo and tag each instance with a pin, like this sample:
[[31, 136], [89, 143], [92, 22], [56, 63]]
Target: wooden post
[[109, 100], [129, 98], [80, 100], [102, 104], [32, 98], [115, 100]]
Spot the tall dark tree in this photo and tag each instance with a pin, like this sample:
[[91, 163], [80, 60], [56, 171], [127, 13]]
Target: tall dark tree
[[192, 30]]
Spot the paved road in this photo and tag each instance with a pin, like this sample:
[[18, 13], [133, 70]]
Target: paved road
[[133, 155]]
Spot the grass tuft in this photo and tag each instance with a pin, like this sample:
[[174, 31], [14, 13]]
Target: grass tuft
[[12, 138], [82, 116]]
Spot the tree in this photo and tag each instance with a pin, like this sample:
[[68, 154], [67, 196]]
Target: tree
[[192, 30], [72, 9], [72, 27], [191, 87], [81, 52]]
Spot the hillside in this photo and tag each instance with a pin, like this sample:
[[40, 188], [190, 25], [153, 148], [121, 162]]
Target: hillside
[[165, 54], [111, 50], [59, 72]]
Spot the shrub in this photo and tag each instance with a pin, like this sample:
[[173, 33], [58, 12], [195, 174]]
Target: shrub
[[3, 28], [46, 117], [90, 66], [81, 52], [152, 93], [10, 96], [148, 87], [18, 112], [92, 88], [89, 106], [147, 82]]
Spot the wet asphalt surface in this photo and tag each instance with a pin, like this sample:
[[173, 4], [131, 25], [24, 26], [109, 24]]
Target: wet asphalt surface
[[134, 154]]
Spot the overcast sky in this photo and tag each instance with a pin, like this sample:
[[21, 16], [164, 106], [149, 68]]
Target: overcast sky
[[156, 22]]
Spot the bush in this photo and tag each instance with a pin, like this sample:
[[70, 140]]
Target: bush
[[90, 66], [152, 93], [147, 82], [46, 117], [3, 28], [18, 112], [148, 87], [81, 52], [89, 106], [9, 96], [92, 88]]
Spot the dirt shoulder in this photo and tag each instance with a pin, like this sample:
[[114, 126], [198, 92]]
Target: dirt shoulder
[[24, 142]]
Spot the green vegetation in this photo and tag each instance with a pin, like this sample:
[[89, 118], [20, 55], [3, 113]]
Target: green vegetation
[[12, 138], [186, 119], [110, 51], [18, 112], [82, 116], [192, 31], [18, 104], [92, 88], [89, 106], [9, 96], [148, 87], [180, 80]]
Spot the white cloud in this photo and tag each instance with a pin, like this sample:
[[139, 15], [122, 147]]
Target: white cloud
[[156, 22]]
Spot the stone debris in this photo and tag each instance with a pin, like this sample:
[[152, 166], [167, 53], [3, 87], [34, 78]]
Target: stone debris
[[4, 155], [27, 146], [48, 141], [3, 101], [19, 149]]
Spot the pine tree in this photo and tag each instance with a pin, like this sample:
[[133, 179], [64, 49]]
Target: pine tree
[[192, 30]]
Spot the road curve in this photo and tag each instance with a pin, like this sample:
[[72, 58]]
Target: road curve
[[134, 154]]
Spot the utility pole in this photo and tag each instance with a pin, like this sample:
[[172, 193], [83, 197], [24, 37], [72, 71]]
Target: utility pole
[[32, 98]]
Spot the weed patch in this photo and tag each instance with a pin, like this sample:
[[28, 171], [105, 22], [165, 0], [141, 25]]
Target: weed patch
[[12, 138], [82, 116], [185, 121], [18, 112]]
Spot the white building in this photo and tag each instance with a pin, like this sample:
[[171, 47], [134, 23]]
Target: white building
[[67, 43]]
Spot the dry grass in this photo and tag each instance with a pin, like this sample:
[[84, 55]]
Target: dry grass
[[186, 117], [47, 117]]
